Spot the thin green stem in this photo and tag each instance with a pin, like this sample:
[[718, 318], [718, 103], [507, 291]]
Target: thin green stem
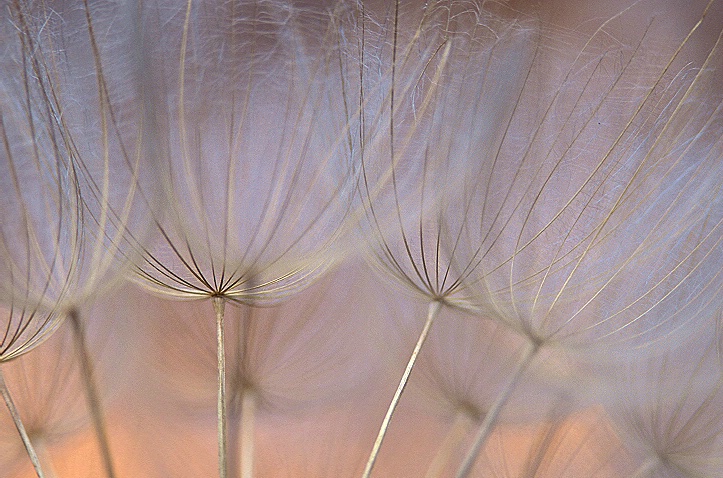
[[490, 420], [219, 305], [434, 307], [21, 428], [91, 392]]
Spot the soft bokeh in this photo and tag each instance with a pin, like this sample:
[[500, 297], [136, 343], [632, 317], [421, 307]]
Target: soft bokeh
[[542, 181]]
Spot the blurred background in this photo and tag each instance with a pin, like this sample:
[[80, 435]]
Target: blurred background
[[293, 187]]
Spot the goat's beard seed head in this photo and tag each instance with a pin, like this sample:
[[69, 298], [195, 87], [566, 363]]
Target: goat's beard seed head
[[592, 234], [76, 213], [569, 190], [257, 176], [669, 410], [547, 184]]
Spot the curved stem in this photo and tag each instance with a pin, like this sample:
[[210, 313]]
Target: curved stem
[[91, 392], [491, 417], [434, 307], [219, 307], [19, 425]]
